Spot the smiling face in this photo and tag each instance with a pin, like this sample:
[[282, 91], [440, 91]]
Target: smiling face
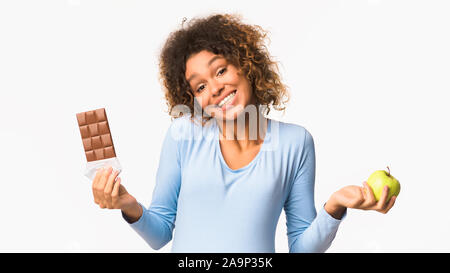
[[218, 86]]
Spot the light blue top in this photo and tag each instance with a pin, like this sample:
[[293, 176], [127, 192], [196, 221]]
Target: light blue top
[[212, 208]]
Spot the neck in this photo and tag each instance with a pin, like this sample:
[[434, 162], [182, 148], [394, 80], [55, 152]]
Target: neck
[[248, 129]]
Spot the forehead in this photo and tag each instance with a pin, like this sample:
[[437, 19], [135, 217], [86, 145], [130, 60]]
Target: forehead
[[200, 61]]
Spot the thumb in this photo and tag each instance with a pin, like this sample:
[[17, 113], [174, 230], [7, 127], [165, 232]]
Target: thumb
[[122, 190]]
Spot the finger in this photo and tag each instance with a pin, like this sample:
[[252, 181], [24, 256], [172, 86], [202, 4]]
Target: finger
[[95, 182], [370, 197], [110, 182], [383, 199], [108, 188], [101, 185], [104, 178], [115, 192], [95, 187], [391, 204], [361, 197], [98, 174]]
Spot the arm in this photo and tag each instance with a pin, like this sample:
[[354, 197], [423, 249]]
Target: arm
[[132, 213], [311, 232], [335, 210], [155, 224], [308, 231]]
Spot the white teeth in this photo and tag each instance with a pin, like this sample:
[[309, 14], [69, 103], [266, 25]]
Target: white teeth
[[227, 99]]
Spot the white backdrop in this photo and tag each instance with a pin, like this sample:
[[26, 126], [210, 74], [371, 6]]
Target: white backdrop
[[369, 80]]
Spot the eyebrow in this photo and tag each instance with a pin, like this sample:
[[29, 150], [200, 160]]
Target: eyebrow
[[209, 64]]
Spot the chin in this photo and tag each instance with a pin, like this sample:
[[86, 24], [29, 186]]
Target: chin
[[230, 114]]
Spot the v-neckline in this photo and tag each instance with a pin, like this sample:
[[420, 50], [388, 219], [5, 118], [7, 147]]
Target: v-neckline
[[252, 162]]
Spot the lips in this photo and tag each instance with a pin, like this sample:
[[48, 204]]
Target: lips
[[224, 96], [227, 100]]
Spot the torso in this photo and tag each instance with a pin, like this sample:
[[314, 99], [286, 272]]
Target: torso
[[211, 199], [237, 159]]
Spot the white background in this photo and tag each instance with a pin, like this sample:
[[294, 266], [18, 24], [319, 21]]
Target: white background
[[369, 80]]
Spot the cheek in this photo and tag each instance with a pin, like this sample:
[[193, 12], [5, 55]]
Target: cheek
[[202, 100], [245, 90]]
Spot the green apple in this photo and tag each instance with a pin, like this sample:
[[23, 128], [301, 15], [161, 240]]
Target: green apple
[[379, 179]]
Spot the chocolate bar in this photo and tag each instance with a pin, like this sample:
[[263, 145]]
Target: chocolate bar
[[96, 135]]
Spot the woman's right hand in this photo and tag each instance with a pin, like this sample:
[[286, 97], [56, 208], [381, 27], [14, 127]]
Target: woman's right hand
[[109, 193]]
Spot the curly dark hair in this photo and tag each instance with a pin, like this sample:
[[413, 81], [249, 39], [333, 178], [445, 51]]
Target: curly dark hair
[[240, 44]]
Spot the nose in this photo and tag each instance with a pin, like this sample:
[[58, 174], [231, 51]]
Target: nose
[[216, 87]]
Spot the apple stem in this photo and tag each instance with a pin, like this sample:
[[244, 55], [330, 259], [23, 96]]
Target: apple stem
[[389, 171]]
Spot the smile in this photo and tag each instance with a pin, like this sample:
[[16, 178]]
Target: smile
[[228, 99]]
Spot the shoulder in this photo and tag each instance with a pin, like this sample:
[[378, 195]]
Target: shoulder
[[187, 128], [182, 121], [293, 134]]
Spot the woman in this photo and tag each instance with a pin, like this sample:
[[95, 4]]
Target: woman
[[226, 171]]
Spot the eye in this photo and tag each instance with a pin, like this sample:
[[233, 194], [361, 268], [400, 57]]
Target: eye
[[200, 88], [221, 71]]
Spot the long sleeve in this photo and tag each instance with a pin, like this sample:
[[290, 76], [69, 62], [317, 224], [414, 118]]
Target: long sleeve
[[307, 231], [157, 222]]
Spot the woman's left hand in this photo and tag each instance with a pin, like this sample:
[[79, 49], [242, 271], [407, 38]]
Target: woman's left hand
[[356, 197]]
